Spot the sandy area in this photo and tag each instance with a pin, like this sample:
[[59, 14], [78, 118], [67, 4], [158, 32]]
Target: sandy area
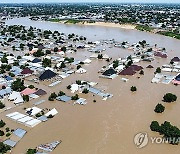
[[107, 24]]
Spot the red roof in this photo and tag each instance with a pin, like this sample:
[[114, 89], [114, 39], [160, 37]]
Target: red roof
[[27, 71], [28, 91], [159, 54], [131, 70]]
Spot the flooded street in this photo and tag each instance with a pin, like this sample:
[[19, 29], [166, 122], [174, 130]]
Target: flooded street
[[104, 127]]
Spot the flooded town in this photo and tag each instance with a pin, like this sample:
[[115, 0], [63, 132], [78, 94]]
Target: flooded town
[[77, 83]]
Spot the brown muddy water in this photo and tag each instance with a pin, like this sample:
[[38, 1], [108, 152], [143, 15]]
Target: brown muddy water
[[104, 127]]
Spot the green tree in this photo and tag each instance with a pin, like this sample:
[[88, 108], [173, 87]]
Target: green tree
[[159, 108], [169, 97], [133, 88], [154, 126]]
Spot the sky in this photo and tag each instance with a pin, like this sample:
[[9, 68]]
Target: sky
[[84, 1]]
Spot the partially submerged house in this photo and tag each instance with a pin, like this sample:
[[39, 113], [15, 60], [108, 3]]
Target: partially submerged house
[[47, 74]]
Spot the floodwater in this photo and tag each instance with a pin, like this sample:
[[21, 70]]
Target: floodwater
[[104, 127]]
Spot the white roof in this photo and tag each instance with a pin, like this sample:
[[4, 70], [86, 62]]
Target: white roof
[[19, 100], [52, 112], [155, 80], [25, 119], [32, 123], [18, 116], [34, 110], [14, 95], [105, 56], [95, 55], [28, 58], [120, 67], [81, 101], [167, 69], [12, 114], [81, 71], [74, 88], [87, 61]]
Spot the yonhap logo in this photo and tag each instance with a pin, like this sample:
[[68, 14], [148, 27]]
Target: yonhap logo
[[141, 140]]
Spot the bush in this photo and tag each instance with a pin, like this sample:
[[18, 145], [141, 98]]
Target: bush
[[7, 129], [69, 87], [141, 72], [31, 87], [133, 88], [2, 123], [169, 97], [85, 91], [1, 105], [76, 97], [78, 82], [158, 70], [52, 96], [26, 98], [4, 148], [159, 108], [100, 56], [38, 115], [154, 126], [78, 67], [61, 93], [8, 134], [31, 151], [50, 116], [1, 133]]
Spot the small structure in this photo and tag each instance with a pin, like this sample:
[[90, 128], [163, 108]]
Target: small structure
[[149, 66], [48, 74], [81, 71], [175, 59], [40, 92], [81, 101], [28, 91], [27, 71], [63, 98]]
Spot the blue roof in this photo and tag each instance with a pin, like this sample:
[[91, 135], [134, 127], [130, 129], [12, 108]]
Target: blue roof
[[43, 118], [10, 143], [36, 60], [64, 98], [19, 132], [94, 90], [8, 78]]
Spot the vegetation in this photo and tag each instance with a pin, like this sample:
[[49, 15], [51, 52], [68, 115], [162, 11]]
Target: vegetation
[[61, 93], [133, 88], [141, 72], [69, 87], [76, 97], [159, 108], [1, 105], [46, 62], [144, 28], [170, 133], [72, 21], [115, 63], [2, 123], [170, 34], [4, 148], [31, 151], [1, 133], [158, 70], [26, 98], [52, 96], [85, 91], [169, 97], [18, 85], [100, 56]]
